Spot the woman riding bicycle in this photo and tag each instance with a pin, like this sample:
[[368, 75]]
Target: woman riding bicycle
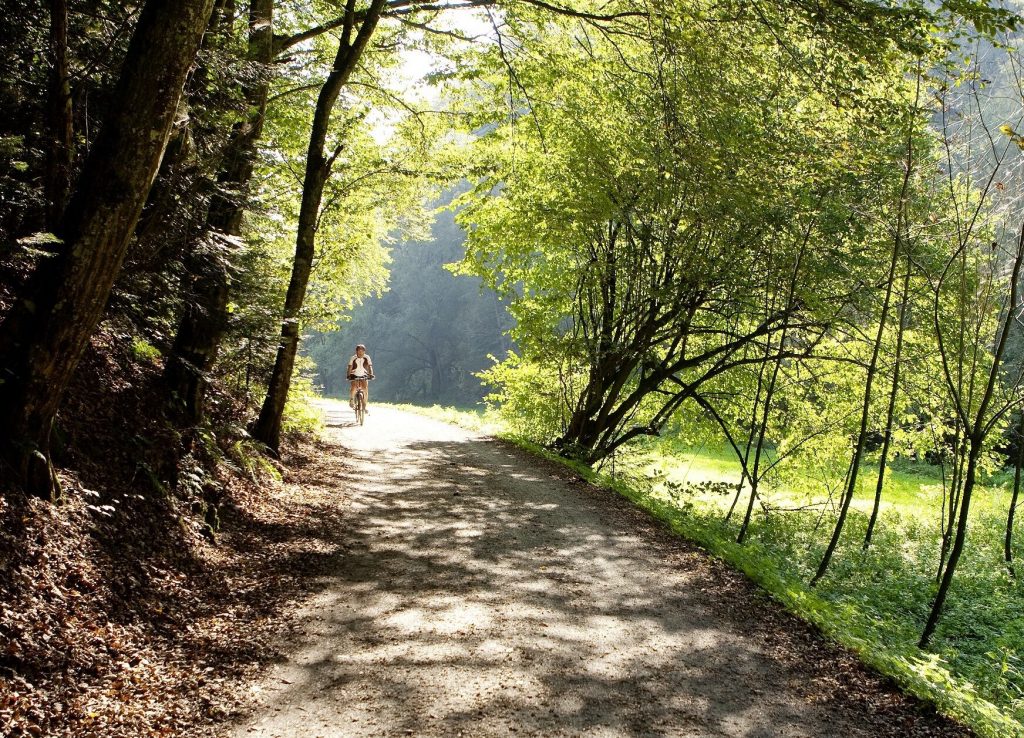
[[360, 370]]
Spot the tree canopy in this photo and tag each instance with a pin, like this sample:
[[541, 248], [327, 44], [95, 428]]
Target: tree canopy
[[790, 228]]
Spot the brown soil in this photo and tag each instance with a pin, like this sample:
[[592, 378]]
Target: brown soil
[[474, 590]]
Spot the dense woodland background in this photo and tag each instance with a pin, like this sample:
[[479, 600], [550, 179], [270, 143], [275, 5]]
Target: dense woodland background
[[780, 242]]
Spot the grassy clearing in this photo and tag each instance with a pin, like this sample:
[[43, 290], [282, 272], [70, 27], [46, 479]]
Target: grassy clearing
[[913, 488], [875, 601]]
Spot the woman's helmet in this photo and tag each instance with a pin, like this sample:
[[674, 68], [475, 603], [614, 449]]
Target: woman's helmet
[[360, 346]]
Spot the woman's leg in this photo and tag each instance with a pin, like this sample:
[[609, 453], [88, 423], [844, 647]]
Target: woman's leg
[[361, 384], [351, 394]]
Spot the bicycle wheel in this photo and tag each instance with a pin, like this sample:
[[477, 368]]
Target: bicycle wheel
[[360, 407]]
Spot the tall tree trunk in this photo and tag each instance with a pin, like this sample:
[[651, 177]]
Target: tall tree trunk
[[755, 473], [1012, 512], [45, 333], [955, 487], [976, 433], [958, 544], [890, 409], [751, 434], [960, 426], [60, 151], [872, 370], [769, 395], [862, 431], [318, 169], [762, 428], [205, 315]]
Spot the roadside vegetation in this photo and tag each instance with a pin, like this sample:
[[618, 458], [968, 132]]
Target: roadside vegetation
[[691, 263]]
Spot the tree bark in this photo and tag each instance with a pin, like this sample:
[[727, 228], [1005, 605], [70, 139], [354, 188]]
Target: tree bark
[[205, 314], [976, 433], [60, 151], [890, 409], [44, 335], [318, 169]]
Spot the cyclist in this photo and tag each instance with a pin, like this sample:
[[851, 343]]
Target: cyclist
[[360, 370]]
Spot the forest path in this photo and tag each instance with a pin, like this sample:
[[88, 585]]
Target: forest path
[[484, 592]]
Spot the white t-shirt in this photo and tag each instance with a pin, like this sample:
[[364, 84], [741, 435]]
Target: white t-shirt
[[359, 366]]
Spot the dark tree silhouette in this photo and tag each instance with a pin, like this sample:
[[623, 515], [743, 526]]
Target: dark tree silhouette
[[45, 333]]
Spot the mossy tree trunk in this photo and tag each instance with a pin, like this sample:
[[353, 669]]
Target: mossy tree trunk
[[45, 334]]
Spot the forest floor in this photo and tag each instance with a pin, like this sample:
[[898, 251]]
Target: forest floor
[[477, 590]]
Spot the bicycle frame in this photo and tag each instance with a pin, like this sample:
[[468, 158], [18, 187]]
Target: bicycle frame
[[359, 398]]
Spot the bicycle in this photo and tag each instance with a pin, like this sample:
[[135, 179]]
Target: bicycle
[[359, 402]]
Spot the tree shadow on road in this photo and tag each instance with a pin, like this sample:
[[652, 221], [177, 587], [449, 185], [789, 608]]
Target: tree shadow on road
[[482, 591]]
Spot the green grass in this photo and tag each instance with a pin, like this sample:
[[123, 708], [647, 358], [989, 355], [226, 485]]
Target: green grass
[[873, 602], [911, 488], [475, 419], [145, 352]]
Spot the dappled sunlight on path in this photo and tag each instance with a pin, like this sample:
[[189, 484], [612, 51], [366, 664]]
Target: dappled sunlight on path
[[485, 593]]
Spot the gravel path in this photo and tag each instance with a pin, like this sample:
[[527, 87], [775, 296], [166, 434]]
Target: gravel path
[[486, 593]]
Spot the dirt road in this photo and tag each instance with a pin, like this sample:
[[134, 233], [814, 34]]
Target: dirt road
[[485, 593]]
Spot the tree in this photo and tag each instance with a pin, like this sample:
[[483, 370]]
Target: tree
[[978, 413], [643, 269], [44, 335], [898, 247], [61, 150], [205, 310], [890, 410], [318, 170], [267, 427]]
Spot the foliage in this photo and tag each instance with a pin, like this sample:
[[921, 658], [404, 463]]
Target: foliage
[[875, 601], [143, 350], [646, 227], [702, 224], [684, 222], [301, 415]]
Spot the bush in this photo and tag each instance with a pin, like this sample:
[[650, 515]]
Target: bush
[[529, 398], [301, 415], [144, 351]]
